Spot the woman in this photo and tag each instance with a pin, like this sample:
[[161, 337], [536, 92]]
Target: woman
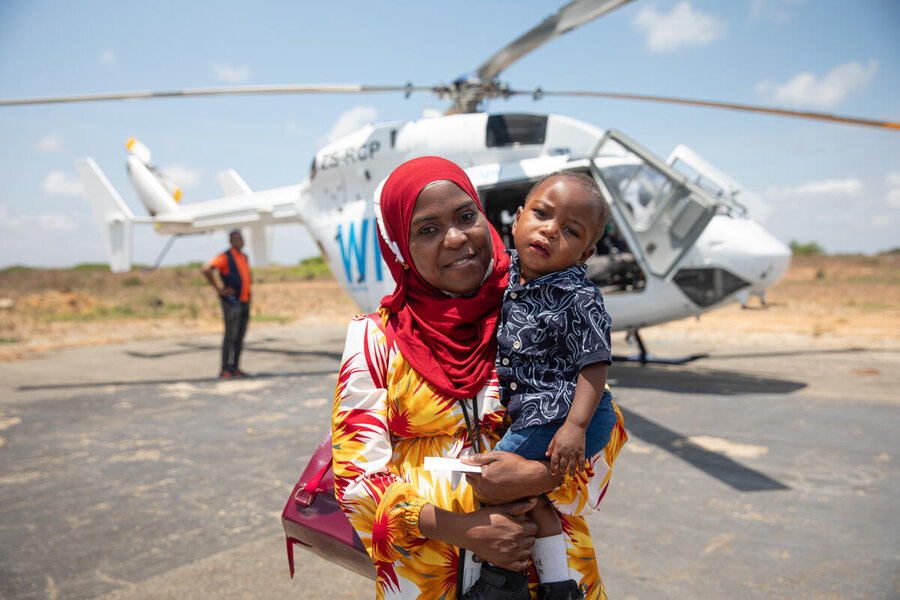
[[413, 376]]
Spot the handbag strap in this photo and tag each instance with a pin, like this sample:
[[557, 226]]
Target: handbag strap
[[308, 490]]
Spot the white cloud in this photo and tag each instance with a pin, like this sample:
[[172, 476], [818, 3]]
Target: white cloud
[[350, 121], [684, 26], [60, 183], [49, 143], [825, 193], [775, 10], [830, 187], [35, 224], [184, 177], [108, 56], [55, 222], [842, 214], [230, 73], [832, 90], [892, 183]]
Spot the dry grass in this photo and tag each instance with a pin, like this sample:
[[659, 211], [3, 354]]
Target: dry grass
[[50, 308], [822, 298]]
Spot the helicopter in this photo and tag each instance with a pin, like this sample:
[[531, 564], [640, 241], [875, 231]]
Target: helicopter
[[683, 239]]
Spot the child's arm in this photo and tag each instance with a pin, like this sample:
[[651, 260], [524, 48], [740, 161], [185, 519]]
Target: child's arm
[[566, 449]]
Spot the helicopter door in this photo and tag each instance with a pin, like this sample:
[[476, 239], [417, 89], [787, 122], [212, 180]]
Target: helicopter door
[[664, 212]]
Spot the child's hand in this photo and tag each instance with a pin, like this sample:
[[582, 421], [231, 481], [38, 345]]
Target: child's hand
[[566, 450]]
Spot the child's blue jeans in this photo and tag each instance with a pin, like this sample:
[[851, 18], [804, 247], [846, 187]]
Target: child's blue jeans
[[532, 442]]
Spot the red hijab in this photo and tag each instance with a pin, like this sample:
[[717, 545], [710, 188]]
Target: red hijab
[[451, 342]]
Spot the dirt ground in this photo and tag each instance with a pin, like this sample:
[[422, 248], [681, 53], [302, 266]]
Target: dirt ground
[[823, 300], [826, 301]]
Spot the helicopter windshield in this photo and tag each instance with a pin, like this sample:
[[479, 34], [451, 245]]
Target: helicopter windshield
[[663, 210], [641, 188]]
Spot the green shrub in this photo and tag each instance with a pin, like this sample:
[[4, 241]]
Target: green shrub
[[808, 248], [91, 267]]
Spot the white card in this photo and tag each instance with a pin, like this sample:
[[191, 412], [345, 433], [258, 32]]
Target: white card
[[439, 463]]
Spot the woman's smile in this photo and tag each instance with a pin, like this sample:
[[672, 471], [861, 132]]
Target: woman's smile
[[461, 261], [449, 239]]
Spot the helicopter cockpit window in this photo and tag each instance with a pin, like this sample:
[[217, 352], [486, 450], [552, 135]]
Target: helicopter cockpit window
[[641, 188], [664, 212], [728, 199], [514, 130], [643, 192], [693, 175]]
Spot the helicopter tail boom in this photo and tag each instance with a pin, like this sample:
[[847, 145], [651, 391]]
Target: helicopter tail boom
[[259, 237]]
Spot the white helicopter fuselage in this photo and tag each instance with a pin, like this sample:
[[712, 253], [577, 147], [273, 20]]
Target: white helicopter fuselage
[[336, 203], [337, 198], [681, 251]]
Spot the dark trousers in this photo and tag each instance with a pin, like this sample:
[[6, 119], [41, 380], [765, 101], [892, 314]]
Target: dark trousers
[[236, 317]]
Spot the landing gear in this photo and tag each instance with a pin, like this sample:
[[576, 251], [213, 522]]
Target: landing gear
[[645, 357]]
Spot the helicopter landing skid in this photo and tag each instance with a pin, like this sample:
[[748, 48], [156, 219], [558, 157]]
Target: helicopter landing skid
[[645, 357]]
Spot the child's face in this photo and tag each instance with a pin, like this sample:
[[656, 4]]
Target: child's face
[[556, 229]]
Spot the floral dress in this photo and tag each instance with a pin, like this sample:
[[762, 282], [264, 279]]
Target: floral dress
[[386, 420]]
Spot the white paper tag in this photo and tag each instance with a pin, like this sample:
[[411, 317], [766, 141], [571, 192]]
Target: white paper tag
[[440, 463]]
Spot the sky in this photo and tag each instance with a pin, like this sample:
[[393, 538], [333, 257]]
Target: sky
[[836, 185]]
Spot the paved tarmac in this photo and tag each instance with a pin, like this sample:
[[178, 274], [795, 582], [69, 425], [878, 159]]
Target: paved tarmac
[[129, 471]]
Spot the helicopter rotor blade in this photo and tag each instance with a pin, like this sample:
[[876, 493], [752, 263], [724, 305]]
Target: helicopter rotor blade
[[570, 16], [819, 116], [314, 88], [441, 91]]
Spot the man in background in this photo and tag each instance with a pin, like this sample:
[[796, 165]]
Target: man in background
[[233, 289]]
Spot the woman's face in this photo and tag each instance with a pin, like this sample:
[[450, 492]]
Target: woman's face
[[449, 239]]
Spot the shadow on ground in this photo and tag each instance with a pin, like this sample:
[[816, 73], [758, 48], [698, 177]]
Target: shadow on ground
[[257, 346], [193, 380], [698, 380], [714, 464]]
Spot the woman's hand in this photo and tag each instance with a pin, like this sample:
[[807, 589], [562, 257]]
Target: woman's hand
[[502, 535], [507, 477]]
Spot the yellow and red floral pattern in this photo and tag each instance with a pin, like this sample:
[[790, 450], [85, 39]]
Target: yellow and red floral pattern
[[386, 420]]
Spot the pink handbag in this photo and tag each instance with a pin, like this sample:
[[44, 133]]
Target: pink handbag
[[313, 518]]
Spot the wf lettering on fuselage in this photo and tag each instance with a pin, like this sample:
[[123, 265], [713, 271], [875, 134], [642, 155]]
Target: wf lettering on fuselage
[[354, 241]]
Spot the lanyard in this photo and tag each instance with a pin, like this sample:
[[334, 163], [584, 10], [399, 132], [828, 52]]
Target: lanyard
[[468, 571], [474, 433]]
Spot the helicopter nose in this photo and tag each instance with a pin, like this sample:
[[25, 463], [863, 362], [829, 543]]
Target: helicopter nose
[[749, 249], [733, 255], [768, 256]]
